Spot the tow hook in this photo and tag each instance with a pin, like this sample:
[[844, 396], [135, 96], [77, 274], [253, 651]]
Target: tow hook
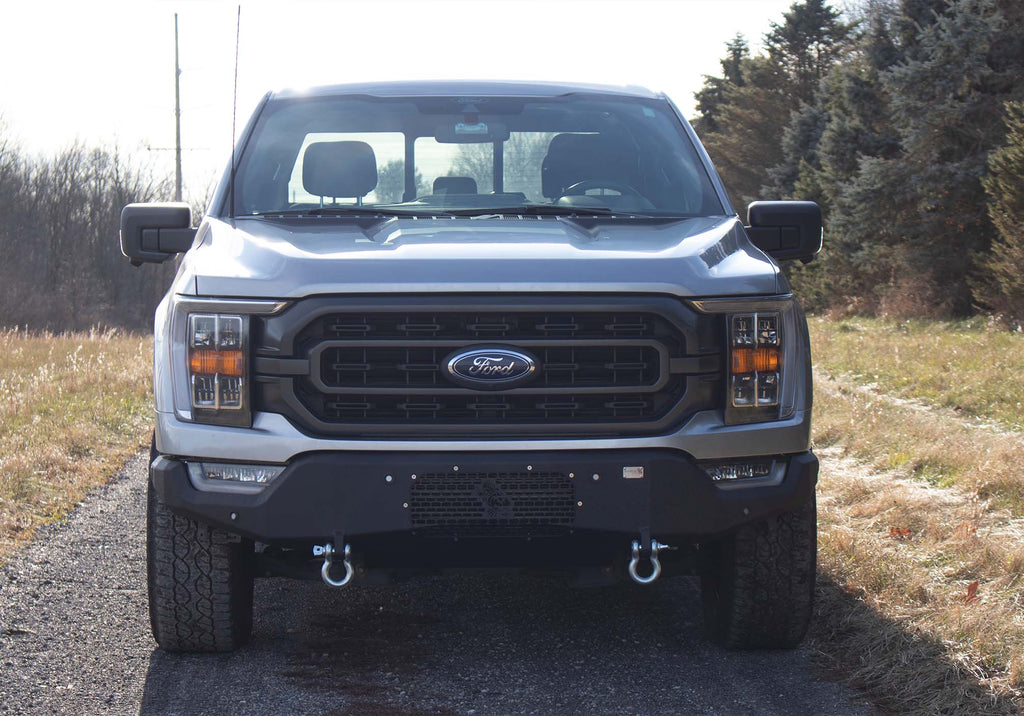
[[634, 562], [328, 552]]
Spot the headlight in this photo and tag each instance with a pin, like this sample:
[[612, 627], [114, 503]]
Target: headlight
[[217, 365], [762, 335], [755, 360], [209, 359]]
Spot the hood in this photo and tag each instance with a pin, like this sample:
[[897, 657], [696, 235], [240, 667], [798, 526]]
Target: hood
[[263, 258]]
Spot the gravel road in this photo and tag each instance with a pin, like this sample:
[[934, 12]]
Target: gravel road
[[74, 639]]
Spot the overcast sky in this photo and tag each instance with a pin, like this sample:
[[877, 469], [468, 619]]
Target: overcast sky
[[103, 72]]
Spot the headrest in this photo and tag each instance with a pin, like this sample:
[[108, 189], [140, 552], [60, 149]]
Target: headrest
[[339, 169], [574, 157], [455, 185]]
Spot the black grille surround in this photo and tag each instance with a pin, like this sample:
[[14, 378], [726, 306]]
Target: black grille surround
[[376, 366]]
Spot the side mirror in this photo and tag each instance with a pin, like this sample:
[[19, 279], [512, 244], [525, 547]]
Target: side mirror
[[152, 233], [785, 230]]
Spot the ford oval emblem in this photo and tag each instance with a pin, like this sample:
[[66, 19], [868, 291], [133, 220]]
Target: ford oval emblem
[[491, 368]]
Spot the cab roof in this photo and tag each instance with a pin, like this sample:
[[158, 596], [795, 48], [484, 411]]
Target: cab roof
[[462, 88]]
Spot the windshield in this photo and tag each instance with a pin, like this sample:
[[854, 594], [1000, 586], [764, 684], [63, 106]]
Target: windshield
[[578, 154]]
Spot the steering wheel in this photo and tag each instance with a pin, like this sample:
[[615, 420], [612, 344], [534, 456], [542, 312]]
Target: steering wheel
[[581, 187]]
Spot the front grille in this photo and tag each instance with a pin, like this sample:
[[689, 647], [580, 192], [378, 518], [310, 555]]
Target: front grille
[[497, 501], [561, 367], [380, 366]]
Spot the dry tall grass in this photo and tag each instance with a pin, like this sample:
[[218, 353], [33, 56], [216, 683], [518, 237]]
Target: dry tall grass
[[73, 407], [969, 366], [921, 512]]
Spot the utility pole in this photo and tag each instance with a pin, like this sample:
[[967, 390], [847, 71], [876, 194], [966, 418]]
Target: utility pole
[[177, 116]]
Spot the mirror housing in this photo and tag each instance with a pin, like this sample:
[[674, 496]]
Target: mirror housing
[[785, 230], [153, 233]]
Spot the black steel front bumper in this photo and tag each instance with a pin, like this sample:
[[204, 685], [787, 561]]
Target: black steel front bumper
[[324, 496]]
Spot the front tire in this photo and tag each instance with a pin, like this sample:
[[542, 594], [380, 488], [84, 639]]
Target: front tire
[[758, 584], [200, 582]]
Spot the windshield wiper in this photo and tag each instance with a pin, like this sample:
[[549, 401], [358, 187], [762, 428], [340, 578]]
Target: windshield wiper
[[369, 212], [539, 210]]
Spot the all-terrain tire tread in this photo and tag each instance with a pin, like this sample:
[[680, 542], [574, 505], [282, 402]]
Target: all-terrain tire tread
[[200, 583], [759, 592]]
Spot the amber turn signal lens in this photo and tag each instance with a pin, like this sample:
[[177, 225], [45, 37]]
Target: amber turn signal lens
[[208, 362], [750, 360]]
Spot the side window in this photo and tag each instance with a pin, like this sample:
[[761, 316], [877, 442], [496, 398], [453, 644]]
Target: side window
[[389, 150]]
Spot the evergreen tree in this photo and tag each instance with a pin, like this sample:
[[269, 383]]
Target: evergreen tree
[[711, 96], [807, 44], [749, 117], [945, 102], [757, 98], [1002, 286]]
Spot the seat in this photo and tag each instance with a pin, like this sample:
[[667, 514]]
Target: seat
[[573, 158], [455, 185], [339, 170], [596, 159]]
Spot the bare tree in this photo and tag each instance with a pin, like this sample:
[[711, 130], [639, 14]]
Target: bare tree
[[62, 267], [523, 155]]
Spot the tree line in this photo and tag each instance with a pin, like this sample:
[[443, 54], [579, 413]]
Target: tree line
[[904, 120], [61, 267]]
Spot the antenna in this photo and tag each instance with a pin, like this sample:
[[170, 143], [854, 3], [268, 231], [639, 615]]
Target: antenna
[[234, 115], [177, 116]]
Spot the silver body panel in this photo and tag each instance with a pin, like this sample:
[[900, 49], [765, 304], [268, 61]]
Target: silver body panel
[[273, 439], [256, 258]]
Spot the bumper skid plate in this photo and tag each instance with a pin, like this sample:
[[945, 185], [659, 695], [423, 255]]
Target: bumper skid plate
[[610, 492]]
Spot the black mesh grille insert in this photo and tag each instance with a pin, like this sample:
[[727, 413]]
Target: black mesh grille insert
[[460, 502], [501, 407], [559, 367], [482, 327]]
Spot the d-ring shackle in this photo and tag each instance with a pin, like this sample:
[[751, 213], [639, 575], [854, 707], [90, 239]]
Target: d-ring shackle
[[634, 562], [325, 571]]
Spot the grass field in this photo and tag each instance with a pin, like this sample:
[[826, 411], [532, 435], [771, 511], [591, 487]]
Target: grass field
[[921, 505], [921, 512], [970, 366], [73, 407]]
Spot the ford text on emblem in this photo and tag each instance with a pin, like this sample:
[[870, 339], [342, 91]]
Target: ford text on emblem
[[490, 368]]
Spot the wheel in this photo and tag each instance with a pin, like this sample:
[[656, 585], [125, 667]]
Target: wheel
[[758, 584], [200, 582], [582, 187]]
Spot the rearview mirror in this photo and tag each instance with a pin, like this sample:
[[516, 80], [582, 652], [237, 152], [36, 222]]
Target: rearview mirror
[[785, 230], [152, 233], [471, 133]]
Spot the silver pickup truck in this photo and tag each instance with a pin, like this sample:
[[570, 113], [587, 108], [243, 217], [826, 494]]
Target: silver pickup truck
[[444, 325]]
